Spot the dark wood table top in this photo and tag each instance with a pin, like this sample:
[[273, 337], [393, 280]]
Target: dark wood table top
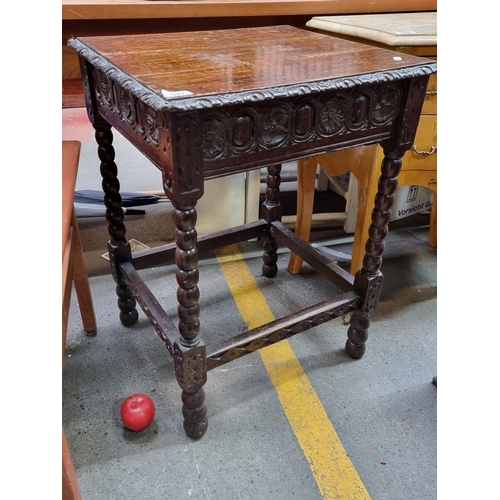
[[237, 62]]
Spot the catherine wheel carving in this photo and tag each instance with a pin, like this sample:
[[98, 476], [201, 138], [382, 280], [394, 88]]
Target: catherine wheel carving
[[119, 248]]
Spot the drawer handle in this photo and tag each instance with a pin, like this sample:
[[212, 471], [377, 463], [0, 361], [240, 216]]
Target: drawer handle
[[432, 92], [424, 153]]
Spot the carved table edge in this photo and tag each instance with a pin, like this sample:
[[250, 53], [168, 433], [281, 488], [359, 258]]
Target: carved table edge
[[159, 103]]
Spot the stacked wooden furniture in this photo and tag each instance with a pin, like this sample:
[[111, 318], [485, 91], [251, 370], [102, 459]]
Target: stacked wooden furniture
[[408, 33], [73, 271]]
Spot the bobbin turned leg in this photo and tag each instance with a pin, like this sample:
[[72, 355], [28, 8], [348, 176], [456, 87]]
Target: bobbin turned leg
[[271, 211], [118, 245], [368, 280], [190, 351]]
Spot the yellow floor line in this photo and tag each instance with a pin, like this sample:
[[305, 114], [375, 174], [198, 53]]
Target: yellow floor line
[[334, 473]]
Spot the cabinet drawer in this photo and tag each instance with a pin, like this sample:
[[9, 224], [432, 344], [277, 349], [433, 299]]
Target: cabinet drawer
[[424, 154]]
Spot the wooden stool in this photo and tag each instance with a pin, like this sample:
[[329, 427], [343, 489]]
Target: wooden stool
[[73, 271], [364, 162], [408, 33]]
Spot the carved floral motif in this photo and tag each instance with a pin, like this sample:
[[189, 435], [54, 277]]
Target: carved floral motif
[[333, 115]]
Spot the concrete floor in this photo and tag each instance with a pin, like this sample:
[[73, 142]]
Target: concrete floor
[[382, 407]]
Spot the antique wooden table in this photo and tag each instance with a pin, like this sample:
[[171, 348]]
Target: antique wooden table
[[205, 104]]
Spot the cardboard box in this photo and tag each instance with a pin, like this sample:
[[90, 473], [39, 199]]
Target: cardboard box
[[408, 200], [411, 200]]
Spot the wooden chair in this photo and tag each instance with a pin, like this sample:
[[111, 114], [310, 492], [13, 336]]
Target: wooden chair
[[73, 271], [418, 168]]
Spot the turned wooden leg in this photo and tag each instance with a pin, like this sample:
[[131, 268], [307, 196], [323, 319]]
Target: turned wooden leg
[[368, 280], [118, 245], [190, 352], [271, 211], [306, 178]]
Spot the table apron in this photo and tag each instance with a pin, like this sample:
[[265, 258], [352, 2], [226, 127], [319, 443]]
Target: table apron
[[157, 146], [191, 145], [254, 160]]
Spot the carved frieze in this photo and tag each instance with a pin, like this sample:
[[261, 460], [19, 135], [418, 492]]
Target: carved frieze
[[131, 111], [265, 127]]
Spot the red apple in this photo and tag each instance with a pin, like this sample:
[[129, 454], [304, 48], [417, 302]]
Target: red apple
[[137, 412]]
